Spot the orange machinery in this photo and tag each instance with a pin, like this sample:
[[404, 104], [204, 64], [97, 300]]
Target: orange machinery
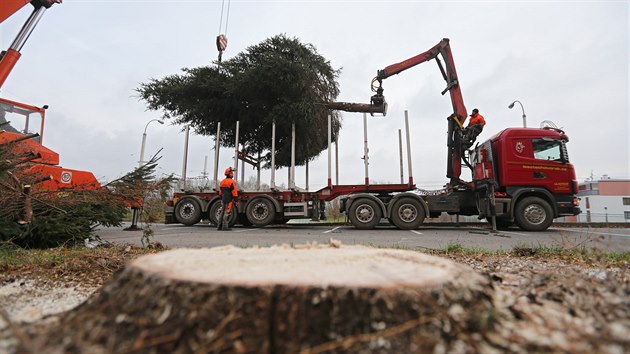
[[22, 125], [21, 133], [9, 57]]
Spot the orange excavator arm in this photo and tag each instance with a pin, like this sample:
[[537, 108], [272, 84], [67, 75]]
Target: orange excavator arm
[[9, 57], [9, 7]]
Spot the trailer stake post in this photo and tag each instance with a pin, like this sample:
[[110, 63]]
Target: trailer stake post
[[408, 149], [217, 145], [365, 150], [329, 151], [273, 156], [400, 153], [236, 149], [292, 169]]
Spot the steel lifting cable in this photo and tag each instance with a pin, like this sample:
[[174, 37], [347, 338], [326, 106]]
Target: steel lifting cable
[[222, 38]]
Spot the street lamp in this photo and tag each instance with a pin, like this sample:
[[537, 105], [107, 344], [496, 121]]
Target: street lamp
[[134, 209], [523, 109], [144, 140]]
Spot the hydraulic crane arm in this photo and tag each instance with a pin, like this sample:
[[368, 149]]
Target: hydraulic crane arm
[[9, 7], [9, 58], [448, 72], [456, 120]]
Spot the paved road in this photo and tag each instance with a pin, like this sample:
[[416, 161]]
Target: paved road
[[435, 237]]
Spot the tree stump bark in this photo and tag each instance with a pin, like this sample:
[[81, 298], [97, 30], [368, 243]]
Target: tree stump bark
[[312, 299]]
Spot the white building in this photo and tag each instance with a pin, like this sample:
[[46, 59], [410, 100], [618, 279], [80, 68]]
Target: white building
[[604, 200]]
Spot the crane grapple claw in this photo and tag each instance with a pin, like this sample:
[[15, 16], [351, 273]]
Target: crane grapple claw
[[378, 104]]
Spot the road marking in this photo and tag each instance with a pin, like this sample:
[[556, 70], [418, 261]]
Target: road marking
[[178, 226], [416, 232], [513, 233], [332, 230], [591, 232], [244, 230]]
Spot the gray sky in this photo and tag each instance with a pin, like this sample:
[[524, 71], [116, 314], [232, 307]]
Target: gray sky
[[566, 61]]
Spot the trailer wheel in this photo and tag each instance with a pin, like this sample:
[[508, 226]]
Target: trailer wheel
[[407, 214], [242, 219], [188, 211], [533, 214], [215, 213], [260, 212], [364, 214]]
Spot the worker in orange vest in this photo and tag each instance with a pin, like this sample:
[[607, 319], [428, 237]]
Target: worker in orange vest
[[474, 128], [229, 195]]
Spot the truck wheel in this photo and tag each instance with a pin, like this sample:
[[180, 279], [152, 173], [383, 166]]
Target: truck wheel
[[188, 211], [533, 214], [215, 213], [407, 214], [365, 214], [260, 212]]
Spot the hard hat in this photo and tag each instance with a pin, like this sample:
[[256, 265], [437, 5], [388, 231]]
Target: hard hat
[[229, 171]]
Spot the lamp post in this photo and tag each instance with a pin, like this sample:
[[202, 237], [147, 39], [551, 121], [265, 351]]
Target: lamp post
[[523, 109], [144, 140], [134, 209]]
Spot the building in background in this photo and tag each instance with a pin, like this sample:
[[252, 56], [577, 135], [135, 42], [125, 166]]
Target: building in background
[[604, 200]]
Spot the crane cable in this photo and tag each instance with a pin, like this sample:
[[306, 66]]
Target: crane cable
[[222, 38]]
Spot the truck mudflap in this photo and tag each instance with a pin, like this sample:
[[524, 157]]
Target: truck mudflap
[[169, 215]]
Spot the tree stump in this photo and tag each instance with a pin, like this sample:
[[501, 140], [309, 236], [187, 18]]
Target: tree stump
[[281, 299]]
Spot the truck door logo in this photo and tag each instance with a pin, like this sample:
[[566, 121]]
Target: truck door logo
[[519, 147]]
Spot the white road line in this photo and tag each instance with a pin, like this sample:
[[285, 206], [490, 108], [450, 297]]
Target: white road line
[[512, 233], [591, 232], [331, 230], [416, 232], [244, 230]]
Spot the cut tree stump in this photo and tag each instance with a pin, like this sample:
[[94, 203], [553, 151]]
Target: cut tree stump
[[281, 299]]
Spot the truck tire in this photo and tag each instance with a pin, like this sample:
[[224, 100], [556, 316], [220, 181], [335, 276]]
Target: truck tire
[[365, 214], [260, 212], [215, 211], [188, 211], [407, 214], [533, 214]]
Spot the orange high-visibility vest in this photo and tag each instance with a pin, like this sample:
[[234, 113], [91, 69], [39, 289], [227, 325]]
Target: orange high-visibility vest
[[476, 119]]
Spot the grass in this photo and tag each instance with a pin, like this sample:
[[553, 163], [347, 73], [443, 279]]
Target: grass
[[572, 254], [12, 257]]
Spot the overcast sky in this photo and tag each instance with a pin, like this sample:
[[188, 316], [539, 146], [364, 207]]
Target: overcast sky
[[566, 61]]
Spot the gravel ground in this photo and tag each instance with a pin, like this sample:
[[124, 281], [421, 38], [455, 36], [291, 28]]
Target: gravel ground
[[543, 304]]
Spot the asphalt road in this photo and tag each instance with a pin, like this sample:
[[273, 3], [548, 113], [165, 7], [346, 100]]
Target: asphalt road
[[432, 237]]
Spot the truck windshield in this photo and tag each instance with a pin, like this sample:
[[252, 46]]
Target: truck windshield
[[549, 150], [20, 120]]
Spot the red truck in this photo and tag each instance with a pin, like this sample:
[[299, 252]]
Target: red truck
[[520, 176]]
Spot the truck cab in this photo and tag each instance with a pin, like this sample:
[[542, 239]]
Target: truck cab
[[528, 173]]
